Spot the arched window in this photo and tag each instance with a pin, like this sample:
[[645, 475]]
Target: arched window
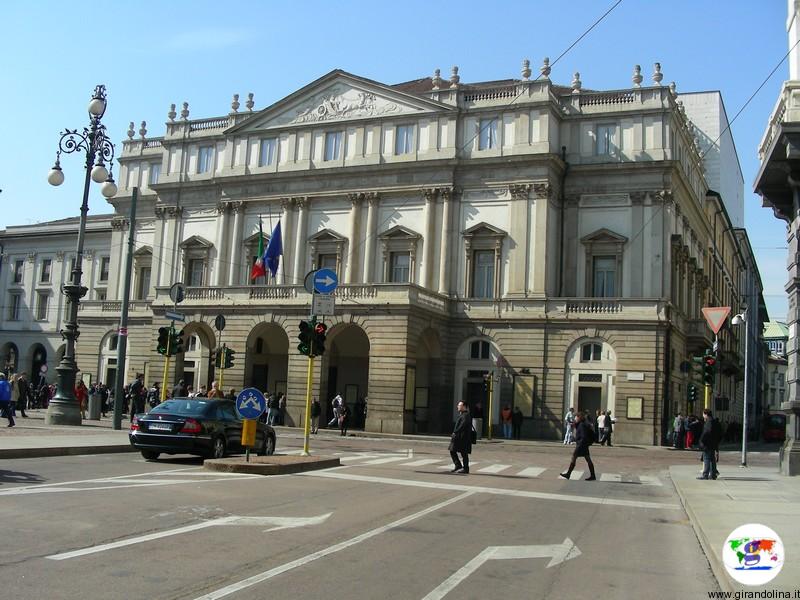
[[590, 352], [112, 342]]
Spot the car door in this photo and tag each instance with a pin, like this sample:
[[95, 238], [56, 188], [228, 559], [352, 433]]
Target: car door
[[233, 426]]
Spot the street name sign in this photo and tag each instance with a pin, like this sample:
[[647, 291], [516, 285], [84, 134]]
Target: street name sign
[[322, 305], [325, 281], [250, 403], [715, 316], [174, 316]]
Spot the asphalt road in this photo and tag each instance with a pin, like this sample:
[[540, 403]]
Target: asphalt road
[[391, 522]]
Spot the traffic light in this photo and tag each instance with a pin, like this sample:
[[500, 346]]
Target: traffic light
[[692, 396], [218, 357], [709, 364], [176, 347], [696, 374], [305, 337], [319, 339], [163, 340], [229, 357]]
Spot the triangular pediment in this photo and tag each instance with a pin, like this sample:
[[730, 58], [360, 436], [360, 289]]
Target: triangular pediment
[[398, 232], [196, 241], [484, 229], [143, 252], [604, 235], [326, 235], [253, 239], [339, 96]]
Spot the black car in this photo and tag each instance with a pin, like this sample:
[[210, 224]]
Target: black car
[[207, 427]]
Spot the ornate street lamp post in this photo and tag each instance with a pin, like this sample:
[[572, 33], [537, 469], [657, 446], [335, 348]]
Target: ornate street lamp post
[[63, 408]]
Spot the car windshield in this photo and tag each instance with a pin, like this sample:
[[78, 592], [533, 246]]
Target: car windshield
[[182, 407]]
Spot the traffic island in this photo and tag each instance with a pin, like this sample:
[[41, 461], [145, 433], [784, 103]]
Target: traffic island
[[277, 464]]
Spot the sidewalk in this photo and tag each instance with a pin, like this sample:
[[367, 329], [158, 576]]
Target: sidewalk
[[740, 496]]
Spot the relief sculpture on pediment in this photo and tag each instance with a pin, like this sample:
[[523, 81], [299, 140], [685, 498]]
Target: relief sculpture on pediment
[[336, 103]]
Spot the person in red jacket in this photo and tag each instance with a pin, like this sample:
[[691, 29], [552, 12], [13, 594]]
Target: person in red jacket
[[82, 396]]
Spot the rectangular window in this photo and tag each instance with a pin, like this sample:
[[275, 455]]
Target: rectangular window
[[105, 261], [143, 283], [604, 277], [483, 274], [333, 145], [606, 139], [47, 263], [196, 267], [404, 139], [19, 268], [266, 154], [100, 295], [326, 261], [487, 135], [14, 306], [205, 159], [155, 172], [400, 267], [41, 306], [71, 268]]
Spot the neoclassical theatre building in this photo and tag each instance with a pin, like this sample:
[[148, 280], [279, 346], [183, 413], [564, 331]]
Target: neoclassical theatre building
[[557, 239]]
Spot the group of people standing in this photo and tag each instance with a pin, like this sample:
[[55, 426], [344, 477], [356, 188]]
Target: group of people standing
[[603, 426], [22, 396]]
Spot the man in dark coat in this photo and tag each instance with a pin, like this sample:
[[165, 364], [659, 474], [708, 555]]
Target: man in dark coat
[[461, 440], [709, 444], [584, 437], [180, 390]]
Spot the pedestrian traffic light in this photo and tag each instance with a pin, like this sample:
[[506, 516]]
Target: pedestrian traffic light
[[709, 364], [319, 339], [218, 357], [163, 340], [229, 357], [176, 347], [305, 337]]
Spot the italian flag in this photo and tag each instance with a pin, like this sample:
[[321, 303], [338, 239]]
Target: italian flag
[[258, 269]]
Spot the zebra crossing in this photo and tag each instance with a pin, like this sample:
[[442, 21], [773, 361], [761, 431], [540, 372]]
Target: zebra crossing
[[407, 460]]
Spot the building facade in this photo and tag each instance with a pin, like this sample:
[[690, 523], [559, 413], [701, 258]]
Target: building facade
[[559, 240]]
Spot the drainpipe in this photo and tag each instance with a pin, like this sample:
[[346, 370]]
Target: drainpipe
[[561, 233]]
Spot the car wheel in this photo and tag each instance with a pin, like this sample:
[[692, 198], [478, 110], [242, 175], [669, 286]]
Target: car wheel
[[150, 455], [218, 448], [269, 445]]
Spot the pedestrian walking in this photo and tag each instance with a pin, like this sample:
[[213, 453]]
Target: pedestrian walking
[[344, 417], [335, 404], [569, 426], [600, 425], [23, 393], [609, 429], [584, 437], [5, 400], [516, 423], [461, 440], [709, 444], [82, 396], [316, 410], [505, 416]]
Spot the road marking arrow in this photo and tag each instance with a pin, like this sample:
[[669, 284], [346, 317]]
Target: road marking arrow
[[277, 522], [557, 553]]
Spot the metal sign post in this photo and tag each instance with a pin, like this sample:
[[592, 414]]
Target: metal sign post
[[307, 420]]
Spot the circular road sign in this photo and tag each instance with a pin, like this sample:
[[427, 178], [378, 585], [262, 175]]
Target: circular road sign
[[325, 281], [177, 292], [250, 403], [308, 282], [219, 322]]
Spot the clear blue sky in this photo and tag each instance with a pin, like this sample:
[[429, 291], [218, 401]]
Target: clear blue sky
[[150, 54]]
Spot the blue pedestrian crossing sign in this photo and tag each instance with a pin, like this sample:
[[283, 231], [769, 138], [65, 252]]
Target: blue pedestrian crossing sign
[[250, 403], [325, 281]]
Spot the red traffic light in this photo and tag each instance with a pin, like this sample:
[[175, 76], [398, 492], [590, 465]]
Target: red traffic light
[[710, 361], [320, 329]]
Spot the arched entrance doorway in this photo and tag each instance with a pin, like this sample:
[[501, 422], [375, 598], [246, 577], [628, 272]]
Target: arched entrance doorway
[[267, 360], [428, 410], [345, 371], [38, 354], [9, 355], [590, 376], [107, 369], [195, 365], [476, 359]]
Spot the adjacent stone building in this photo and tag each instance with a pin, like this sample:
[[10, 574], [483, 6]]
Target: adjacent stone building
[[557, 239]]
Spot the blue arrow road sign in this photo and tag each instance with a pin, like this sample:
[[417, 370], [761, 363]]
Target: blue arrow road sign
[[250, 403], [325, 281]]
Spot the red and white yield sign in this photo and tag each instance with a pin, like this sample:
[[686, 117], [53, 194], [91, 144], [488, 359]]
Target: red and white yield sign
[[715, 316]]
